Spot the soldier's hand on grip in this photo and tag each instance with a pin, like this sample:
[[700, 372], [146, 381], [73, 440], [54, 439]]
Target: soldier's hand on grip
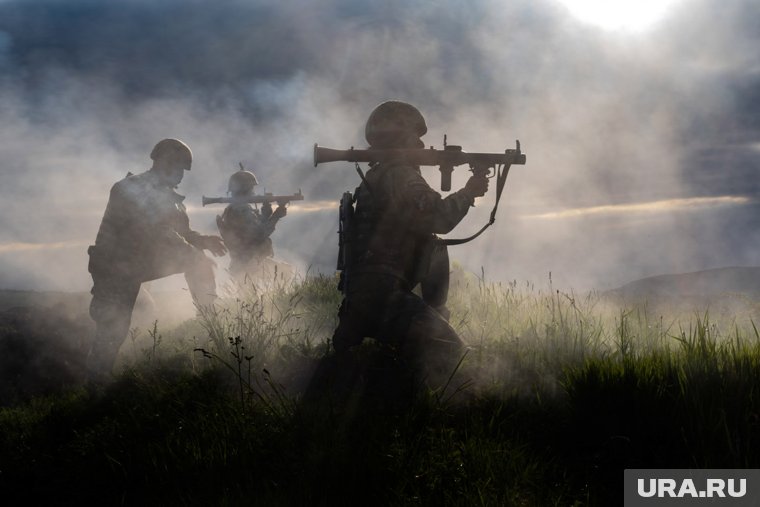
[[476, 186], [215, 245], [280, 212]]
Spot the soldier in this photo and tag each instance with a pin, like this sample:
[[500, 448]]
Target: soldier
[[145, 235], [245, 229], [392, 240]]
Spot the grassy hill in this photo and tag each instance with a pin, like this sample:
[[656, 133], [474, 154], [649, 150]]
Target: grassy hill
[[44, 336], [246, 405]]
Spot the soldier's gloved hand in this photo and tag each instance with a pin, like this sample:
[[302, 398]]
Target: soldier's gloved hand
[[215, 245], [280, 212], [476, 186]]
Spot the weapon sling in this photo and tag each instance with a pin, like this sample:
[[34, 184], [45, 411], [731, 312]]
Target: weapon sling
[[501, 179]]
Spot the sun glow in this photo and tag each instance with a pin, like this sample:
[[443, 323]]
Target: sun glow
[[626, 15]]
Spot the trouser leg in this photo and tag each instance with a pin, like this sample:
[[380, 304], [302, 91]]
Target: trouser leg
[[197, 268], [201, 282], [362, 309], [428, 343], [435, 285], [385, 309], [111, 309], [349, 331]]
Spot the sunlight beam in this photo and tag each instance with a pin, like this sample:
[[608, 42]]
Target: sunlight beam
[[669, 205]]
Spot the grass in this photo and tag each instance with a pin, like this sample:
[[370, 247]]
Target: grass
[[240, 407]]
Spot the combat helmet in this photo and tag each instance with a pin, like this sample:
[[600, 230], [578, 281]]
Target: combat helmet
[[392, 119], [242, 182], [173, 150]]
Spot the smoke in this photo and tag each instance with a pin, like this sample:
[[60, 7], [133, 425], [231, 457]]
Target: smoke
[[606, 119]]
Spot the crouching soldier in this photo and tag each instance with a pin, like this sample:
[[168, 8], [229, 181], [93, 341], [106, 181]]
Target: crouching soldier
[[145, 235], [246, 230], [394, 248]]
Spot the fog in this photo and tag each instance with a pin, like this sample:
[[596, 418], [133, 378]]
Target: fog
[[642, 147]]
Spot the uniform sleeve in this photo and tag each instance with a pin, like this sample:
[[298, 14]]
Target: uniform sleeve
[[268, 225], [263, 228], [192, 237], [428, 211]]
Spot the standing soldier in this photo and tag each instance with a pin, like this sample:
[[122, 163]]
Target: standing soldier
[[245, 229], [392, 234], [145, 235]]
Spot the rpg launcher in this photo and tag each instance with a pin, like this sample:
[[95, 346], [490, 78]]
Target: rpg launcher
[[481, 164], [446, 159], [255, 199]]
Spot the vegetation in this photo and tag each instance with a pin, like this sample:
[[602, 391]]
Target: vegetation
[[246, 405]]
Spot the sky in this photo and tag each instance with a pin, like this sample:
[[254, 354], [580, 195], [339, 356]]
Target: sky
[[640, 124]]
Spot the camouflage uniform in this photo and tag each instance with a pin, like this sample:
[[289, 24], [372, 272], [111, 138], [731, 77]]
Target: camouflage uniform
[[393, 248], [396, 219], [145, 235], [246, 232]]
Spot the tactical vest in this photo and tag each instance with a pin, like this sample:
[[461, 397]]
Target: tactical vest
[[381, 240], [244, 233]]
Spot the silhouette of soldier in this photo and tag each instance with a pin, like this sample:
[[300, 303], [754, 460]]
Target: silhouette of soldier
[[145, 235], [393, 248], [244, 228]]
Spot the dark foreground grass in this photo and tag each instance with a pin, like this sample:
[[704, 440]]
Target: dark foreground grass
[[166, 438]]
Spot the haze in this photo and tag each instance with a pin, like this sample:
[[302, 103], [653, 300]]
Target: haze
[[641, 144]]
